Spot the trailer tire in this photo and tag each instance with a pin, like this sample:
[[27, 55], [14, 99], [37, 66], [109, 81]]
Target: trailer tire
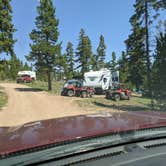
[[84, 94], [70, 93]]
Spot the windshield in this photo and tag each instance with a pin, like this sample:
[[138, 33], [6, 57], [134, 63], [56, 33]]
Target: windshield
[[80, 69]]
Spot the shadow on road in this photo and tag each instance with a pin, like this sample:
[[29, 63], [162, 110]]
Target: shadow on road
[[123, 107], [28, 89]]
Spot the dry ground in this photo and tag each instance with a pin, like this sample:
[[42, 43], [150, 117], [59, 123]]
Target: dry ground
[[26, 104]]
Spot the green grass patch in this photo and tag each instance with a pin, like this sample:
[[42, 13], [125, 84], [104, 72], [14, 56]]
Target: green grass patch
[[101, 103], [43, 86], [3, 98]]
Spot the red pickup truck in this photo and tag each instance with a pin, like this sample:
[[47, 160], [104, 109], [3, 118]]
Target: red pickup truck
[[24, 78]]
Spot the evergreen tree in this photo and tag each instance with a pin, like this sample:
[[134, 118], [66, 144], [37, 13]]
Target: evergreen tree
[[101, 53], [136, 53], [94, 62], [123, 67], [15, 66], [84, 52], [6, 28], [26, 66], [146, 11], [113, 62], [62, 67], [45, 48], [159, 70], [70, 60]]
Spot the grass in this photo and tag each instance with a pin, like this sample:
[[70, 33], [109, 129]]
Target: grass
[[100, 103], [3, 98], [41, 85]]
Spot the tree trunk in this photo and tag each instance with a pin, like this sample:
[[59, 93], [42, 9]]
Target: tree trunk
[[149, 84], [147, 45], [49, 81]]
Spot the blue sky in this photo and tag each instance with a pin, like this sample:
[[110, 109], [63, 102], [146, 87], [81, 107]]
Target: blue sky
[[107, 17]]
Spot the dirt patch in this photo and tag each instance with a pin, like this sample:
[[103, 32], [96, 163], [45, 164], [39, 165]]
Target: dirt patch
[[28, 104]]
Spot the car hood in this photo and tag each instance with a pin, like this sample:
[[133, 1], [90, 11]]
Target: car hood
[[40, 133]]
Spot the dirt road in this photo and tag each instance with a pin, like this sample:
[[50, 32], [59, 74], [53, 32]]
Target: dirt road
[[26, 105]]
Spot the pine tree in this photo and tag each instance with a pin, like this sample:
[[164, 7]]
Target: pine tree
[[94, 62], [6, 28], [113, 62], [70, 60], [123, 68], [101, 53], [15, 65], [26, 66], [136, 53], [84, 53], [159, 70], [146, 12], [45, 49], [62, 67]]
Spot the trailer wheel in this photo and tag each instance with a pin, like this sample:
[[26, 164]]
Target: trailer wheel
[[84, 94], [116, 97], [70, 93]]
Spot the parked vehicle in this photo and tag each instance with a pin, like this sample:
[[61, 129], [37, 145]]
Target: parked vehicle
[[118, 92], [75, 88], [26, 76], [130, 138], [101, 80]]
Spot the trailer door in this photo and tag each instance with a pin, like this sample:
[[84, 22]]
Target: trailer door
[[105, 82]]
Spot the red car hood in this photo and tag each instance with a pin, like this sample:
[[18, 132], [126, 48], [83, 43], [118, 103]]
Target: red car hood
[[46, 132]]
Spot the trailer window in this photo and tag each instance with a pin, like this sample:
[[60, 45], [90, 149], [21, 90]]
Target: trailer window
[[92, 78]]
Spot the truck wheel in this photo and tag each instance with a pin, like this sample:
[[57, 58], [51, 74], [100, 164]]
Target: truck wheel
[[84, 94], [70, 93], [116, 97]]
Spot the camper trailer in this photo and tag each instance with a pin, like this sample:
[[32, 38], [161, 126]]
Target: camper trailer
[[101, 80]]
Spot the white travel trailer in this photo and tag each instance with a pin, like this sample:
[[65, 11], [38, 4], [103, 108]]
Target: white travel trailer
[[32, 74], [101, 80]]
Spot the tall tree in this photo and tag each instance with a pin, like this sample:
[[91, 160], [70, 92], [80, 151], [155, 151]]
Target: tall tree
[[123, 67], [136, 53], [84, 52], [101, 53], [113, 62], [70, 60], [15, 65], [6, 28], [146, 12], [159, 70], [45, 47]]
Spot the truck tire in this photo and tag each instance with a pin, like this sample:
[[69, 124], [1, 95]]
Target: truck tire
[[84, 94], [116, 97], [70, 93]]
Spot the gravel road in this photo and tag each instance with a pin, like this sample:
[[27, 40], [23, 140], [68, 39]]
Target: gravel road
[[26, 105]]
